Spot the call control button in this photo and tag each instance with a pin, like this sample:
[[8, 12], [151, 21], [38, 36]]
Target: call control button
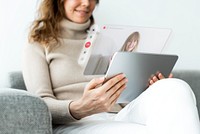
[[87, 44]]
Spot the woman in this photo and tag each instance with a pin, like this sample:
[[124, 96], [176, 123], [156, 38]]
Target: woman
[[80, 104], [131, 42]]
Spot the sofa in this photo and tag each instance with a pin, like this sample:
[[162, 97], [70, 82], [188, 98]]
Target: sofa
[[23, 113]]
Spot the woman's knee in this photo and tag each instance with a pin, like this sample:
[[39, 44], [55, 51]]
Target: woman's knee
[[170, 84], [174, 87]]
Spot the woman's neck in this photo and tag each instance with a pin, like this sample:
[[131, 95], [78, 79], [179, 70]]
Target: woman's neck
[[71, 30]]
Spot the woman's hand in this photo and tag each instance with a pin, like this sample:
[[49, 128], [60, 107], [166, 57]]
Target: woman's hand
[[157, 77], [98, 96]]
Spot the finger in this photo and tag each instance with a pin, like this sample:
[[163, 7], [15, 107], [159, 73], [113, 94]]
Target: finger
[[115, 96], [116, 87], [113, 81], [170, 75], [94, 83], [155, 78], [160, 76], [151, 82]]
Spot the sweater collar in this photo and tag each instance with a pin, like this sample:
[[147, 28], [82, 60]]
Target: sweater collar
[[71, 30]]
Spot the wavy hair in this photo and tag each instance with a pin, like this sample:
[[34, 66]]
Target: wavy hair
[[46, 28]]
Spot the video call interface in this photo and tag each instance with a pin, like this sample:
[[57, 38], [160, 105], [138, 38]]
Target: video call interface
[[115, 38]]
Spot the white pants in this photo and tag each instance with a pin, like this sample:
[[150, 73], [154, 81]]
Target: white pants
[[166, 107]]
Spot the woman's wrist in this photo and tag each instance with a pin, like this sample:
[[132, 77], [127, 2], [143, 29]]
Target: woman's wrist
[[74, 109]]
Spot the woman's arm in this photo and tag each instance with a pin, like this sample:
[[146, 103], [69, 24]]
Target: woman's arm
[[38, 82]]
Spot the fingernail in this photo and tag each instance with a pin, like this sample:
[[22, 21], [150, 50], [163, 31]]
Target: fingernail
[[123, 75]]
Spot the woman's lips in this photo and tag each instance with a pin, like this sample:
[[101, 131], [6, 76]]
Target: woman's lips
[[82, 12]]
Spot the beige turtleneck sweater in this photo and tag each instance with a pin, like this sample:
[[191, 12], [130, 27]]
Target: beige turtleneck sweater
[[56, 76]]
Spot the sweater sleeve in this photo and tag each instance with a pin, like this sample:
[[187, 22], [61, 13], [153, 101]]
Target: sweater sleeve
[[38, 82]]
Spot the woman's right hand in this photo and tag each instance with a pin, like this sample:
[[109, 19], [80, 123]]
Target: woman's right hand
[[98, 96]]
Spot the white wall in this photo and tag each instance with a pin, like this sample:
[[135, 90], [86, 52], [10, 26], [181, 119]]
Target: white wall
[[182, 16], [15, 17]]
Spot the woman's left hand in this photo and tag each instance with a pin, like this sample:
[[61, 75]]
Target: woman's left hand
[[158, 77]]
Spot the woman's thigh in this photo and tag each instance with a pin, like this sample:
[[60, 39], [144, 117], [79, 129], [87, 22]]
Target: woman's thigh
[[167, 107], [100, 124]]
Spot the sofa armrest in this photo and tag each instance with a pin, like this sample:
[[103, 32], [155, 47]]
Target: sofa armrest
[[15, 80], [192, 77], [23, 113]]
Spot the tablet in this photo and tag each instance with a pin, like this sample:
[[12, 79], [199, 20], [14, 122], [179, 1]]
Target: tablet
[[105, 40], [138, 68]]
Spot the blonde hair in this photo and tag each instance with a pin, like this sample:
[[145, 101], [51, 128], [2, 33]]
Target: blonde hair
[[46, 28], [134, 36]]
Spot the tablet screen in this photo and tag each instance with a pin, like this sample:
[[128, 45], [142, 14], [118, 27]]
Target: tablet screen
[[138, 68], [114, 38]]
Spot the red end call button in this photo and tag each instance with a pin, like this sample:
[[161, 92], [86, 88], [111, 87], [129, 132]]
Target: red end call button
[[87, 44]]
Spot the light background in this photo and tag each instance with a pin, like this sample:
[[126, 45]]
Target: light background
[[182, 16]]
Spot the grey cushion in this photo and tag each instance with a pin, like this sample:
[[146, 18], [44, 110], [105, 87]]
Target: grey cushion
[[22, 113], [15, 80], [192, 77]]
